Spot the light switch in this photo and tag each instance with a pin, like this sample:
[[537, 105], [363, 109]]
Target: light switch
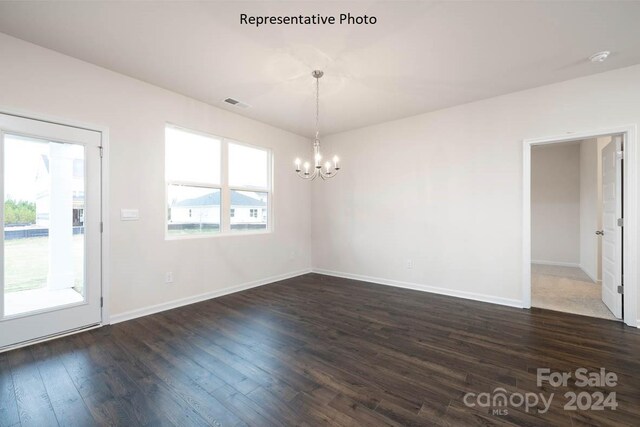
[[129, 215]]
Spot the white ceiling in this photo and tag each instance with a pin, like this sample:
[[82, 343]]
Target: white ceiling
[[419, 57]]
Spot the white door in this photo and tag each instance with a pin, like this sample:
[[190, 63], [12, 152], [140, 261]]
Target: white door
[[50, 278], [612, 233]]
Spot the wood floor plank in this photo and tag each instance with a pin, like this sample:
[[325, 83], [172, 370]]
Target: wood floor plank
[[178, 380], [277, 405], [317, 350], [9, 415], [32, 398], [166, 404], [67, 404]]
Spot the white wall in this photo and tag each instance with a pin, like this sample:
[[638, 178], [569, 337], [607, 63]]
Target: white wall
[[555, 204], [445, 188], [590, 205], [442, 189], [602, 142], [39, 81]]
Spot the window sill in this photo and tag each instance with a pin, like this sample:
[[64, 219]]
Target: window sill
[[218, 235]]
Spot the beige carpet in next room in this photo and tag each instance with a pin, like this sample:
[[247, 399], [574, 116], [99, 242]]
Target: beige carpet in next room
[[566, 289]]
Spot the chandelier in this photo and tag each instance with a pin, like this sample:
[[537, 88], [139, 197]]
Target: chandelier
[[327, 170]]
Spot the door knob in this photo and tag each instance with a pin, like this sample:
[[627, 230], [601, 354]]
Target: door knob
[[600, 233]]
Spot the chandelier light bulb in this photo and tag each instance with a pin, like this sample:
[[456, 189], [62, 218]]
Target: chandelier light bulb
[[328, 166]]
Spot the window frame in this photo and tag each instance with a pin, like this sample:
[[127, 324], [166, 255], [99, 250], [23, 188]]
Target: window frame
[[224, 188]]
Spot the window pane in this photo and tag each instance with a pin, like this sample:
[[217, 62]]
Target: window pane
[[248, 166], [43, 224], [191, 157], [250, 210], [193, 210]]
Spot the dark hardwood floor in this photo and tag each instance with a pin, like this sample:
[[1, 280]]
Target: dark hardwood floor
[[319, 350]]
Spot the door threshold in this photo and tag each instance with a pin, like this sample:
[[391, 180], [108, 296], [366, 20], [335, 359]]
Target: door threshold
[[50, 337], [576, 314]]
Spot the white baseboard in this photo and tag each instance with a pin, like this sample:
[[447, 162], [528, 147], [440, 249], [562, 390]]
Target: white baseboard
[[567, 264], [588, 273], [128, 315], [556, 263], [425, 288]]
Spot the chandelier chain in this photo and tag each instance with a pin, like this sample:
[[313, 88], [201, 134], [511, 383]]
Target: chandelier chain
[[317, 107]]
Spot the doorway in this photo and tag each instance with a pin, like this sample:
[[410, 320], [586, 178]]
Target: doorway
[[566, 226], [50, 275], [579, 224]]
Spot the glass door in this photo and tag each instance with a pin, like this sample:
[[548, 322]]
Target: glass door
[[51, 214]]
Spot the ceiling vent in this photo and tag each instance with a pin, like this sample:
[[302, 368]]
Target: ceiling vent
[[236, 103]]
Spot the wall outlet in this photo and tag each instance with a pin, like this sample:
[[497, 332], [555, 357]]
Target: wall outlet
[[409, 264], [168, 278]]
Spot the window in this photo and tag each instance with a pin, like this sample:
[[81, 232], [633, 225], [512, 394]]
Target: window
[[248, 166], [249, 185], [200, 200], [192, 171], [78, 168]]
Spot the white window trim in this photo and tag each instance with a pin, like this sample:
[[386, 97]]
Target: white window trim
[[225, 190]]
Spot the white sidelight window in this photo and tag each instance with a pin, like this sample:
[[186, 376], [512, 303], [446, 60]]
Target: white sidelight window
[[214, 186]]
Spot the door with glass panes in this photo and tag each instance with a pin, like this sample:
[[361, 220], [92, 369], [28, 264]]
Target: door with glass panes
[[50, 274]]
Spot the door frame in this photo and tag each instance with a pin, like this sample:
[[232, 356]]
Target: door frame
[[630, 196], [104, 209]]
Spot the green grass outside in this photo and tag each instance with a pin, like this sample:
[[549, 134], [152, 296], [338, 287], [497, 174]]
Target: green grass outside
[[26, 263]]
